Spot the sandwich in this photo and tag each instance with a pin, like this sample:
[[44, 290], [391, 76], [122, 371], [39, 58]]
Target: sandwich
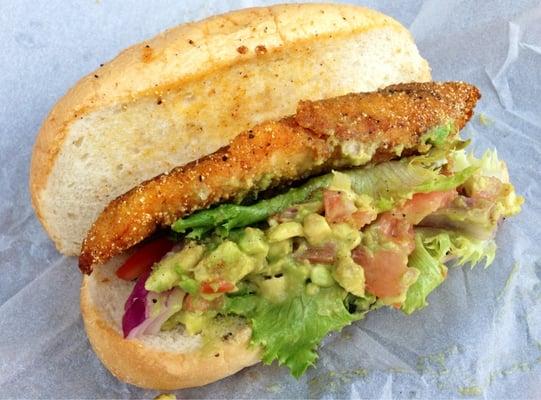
[[293, 169]]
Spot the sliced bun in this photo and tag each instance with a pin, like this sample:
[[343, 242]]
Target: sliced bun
[[165, 361], [191, 89]]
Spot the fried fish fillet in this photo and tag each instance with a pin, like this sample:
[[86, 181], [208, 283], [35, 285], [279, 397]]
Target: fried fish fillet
[[339, 132]]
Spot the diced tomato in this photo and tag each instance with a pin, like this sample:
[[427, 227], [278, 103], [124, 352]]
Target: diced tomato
[[383, 270], [217, 286], [423, 204], [144, 258], [325, 254], [337, 206], [340, 208], [396, 230], [361, 218], [196, 303]]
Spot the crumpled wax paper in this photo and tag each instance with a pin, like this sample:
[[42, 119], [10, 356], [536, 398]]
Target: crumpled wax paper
[[481, 335]]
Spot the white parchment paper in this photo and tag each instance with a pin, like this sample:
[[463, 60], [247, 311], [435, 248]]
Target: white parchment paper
[[481, 335]]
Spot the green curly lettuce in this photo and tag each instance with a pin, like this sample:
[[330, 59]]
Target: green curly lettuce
[[432, 271], [388, 183], [434, 247], [290, 332]]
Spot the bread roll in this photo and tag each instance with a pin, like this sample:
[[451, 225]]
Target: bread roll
[[191, 89], [165, 361]]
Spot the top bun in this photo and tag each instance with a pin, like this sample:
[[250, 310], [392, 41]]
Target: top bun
[[191, 89]]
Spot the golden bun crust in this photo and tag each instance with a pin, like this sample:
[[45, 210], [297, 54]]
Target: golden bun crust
[[188, 91], [168, 362]]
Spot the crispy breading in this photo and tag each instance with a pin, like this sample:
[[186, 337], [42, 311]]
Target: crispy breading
[[321, 136]]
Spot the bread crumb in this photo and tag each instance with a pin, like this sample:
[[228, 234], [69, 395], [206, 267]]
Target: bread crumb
[[147, 54], [260, 49]]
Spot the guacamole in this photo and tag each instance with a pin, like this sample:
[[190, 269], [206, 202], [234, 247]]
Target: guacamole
[[312, 260]]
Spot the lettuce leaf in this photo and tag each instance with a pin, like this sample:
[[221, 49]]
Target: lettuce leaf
[[290, 332], [390, 182], [387, 183], [230, 216], [433, 247], [489, 164], [432, 271], [467, 250]]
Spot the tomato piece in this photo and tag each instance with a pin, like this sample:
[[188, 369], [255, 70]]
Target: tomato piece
[[361, 218], [217, 286], [383, 270], [144, 258], [396, 230], [423, 204], [337, 206]]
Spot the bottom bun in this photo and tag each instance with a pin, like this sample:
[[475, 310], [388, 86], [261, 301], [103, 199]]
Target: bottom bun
[[164, 361]]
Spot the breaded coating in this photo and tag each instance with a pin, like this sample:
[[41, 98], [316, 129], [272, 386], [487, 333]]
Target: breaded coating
[[340, 132]]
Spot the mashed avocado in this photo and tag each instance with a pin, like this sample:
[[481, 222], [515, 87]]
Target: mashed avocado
[[279, 261], [313, 259]]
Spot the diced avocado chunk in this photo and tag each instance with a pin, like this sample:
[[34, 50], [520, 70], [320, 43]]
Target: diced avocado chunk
[[340, 182], [226, 262], [350, 276], [364, 202], [321, 276], [316, 229], [168, 272], [308, 208], [312, 289], [278, 250], [436, 136], [274, 289], [278, 266], [189, 285], [347, 237], [188, 258], [194, 322], [507, 202], [163, 277], [296, 276], [284, 231], [253, 242]]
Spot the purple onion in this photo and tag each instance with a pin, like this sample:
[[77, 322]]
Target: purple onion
[[137, 318], [136, 305]]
